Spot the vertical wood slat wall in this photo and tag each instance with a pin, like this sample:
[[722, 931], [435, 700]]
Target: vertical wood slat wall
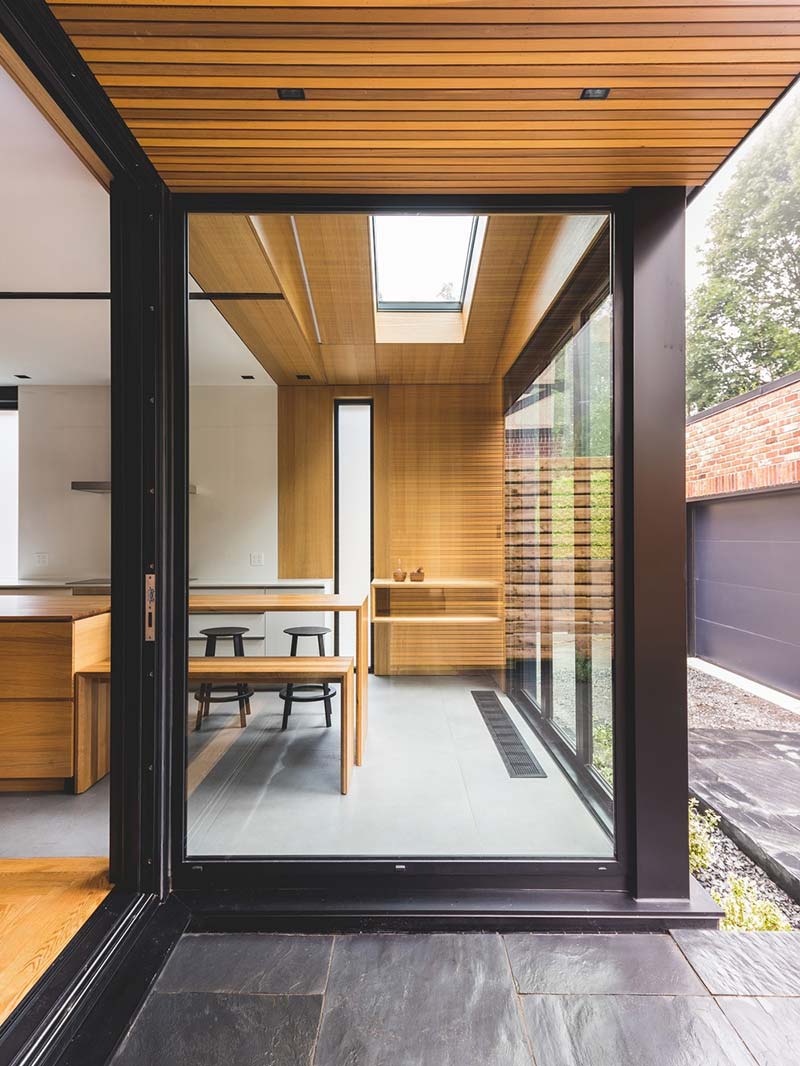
[[438, 503]]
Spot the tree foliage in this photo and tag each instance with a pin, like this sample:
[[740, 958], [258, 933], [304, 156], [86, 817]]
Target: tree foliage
[[743, 323]]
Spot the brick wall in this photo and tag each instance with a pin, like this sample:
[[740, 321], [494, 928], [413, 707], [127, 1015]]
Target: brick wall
[[751, 444]]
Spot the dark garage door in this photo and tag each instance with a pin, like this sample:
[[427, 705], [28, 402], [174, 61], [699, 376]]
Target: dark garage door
[[747, 586]]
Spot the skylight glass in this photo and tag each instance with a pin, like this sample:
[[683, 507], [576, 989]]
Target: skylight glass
[[422, 262]]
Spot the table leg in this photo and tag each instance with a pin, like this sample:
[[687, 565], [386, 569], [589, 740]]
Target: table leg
[[348, 714], [362, 677]]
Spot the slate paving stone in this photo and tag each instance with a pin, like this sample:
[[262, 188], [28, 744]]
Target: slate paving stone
[[421, 1000], [209, 1029], [631, 1031], [769, 1027], [600, 963], [743, 964], [266, 963]]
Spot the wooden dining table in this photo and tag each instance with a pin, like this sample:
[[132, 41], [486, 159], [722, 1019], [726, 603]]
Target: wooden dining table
[[260, 603]]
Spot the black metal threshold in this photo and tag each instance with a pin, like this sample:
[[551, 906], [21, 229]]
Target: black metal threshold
[[83, 1003], [535, 910]]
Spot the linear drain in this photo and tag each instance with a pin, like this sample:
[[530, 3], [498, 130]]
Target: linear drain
[[513, 750]]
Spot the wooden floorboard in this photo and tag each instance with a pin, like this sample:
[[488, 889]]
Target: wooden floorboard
[[43, 903]]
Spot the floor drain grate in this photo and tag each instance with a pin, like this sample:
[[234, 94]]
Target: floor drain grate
[[513, 749]]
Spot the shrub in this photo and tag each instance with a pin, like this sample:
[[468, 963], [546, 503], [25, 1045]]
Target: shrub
[[746, 911], [701, 839], [603, 750]]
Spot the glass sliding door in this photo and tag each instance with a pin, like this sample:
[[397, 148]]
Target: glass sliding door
[[559, 399]]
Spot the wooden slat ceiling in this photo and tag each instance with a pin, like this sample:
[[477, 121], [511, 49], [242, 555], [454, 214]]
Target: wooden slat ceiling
[[323, 329], [448, 95]]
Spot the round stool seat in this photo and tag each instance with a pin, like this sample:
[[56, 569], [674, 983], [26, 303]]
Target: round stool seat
[[225, 631], [316, 693], [307, 631]]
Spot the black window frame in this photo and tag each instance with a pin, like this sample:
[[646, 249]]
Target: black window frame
[[210, 873]]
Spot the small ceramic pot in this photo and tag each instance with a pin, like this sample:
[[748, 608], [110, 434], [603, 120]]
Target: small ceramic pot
[[418, 574]]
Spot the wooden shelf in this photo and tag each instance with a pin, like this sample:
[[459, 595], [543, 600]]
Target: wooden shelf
[[438, 619], [436, 583]]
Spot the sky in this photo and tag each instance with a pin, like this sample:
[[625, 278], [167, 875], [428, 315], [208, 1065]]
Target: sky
[[700, 209]]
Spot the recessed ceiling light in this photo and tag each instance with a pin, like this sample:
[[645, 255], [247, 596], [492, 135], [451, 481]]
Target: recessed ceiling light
[[23, 377], [291, 94], [594, 94], [248, 377], [303, 377]]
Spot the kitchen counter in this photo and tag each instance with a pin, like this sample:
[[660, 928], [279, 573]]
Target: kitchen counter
[[45, 744], [64, 608]]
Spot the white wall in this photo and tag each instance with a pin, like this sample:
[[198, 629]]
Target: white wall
[[63, 437], [233, 461], [9, 495]]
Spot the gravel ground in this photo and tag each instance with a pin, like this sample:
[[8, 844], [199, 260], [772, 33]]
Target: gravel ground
[[728, 860], [716, 703]]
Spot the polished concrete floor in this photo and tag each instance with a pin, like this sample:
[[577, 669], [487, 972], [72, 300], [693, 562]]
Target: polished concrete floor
[[39, 824], [432, 783], [696, 998]]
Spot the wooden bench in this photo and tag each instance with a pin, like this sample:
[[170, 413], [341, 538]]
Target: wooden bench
[[298, 670]]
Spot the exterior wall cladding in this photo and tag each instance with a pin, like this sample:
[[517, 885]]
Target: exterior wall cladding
[[748, 444]]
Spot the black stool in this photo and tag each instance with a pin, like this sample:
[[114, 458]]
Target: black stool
[[315, 692], [243, 692]]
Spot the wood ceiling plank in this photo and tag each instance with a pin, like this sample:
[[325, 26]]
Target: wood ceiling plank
[[371, 73], [557, 247], [276, 234], [386, 18], [336, 251], [224, 255], [350, 364]]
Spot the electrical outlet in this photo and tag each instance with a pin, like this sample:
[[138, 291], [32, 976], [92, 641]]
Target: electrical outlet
[[42, 559], [256, 558]]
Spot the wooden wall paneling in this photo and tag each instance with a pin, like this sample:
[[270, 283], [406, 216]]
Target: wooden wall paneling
[[305, 482], [188, 77], [558, 245], [446, 514]]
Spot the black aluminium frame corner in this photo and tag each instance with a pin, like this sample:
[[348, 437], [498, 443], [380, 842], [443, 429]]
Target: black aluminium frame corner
[[639, 850], [74, 986]]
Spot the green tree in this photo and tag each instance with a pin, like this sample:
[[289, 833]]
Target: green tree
[[743, 321]]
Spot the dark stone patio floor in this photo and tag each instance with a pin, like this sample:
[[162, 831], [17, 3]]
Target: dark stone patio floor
[[696, 998], [751, 778]]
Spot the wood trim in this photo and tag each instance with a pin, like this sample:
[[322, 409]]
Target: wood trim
[[45, 104]]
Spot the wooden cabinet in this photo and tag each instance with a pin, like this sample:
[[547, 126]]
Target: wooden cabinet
[[43, 643]]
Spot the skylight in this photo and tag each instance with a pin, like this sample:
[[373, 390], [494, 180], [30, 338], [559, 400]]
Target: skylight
[[422, 262]]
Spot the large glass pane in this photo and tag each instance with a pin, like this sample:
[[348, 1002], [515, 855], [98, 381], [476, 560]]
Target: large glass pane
[[559, 400], [440, 487]]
